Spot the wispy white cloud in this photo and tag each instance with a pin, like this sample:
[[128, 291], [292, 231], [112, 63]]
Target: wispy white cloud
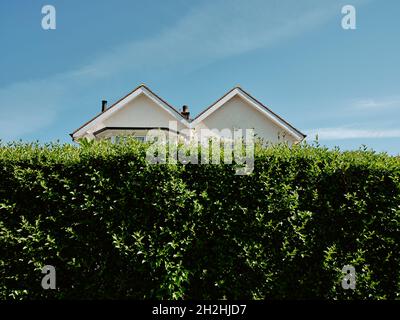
[[376, 104], [211, 31], [214, 31], [343, 133]]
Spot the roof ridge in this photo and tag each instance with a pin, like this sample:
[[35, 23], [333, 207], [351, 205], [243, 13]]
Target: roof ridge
[[216, 101]]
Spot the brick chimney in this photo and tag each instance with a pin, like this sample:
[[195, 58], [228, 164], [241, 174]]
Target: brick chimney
[[185, 112]]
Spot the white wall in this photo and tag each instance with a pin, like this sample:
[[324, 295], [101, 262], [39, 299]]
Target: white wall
[[238, 114], [141, 112]]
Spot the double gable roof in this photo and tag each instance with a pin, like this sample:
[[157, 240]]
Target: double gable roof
[[236, 91]]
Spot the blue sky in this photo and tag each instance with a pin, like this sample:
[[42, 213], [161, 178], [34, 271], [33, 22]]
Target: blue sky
[[294, 56]]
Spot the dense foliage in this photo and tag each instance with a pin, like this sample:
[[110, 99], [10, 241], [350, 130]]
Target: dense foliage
[[117, 227]]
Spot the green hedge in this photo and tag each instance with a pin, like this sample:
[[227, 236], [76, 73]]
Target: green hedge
[[117, 227]]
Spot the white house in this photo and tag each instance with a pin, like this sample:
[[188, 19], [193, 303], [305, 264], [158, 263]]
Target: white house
[[142, 110]]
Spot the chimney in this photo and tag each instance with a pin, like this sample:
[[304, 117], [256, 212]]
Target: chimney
[[185, 112], [103, 105]]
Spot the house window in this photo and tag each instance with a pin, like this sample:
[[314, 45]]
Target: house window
[[118, 139], [122, 139], [140, 138]]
